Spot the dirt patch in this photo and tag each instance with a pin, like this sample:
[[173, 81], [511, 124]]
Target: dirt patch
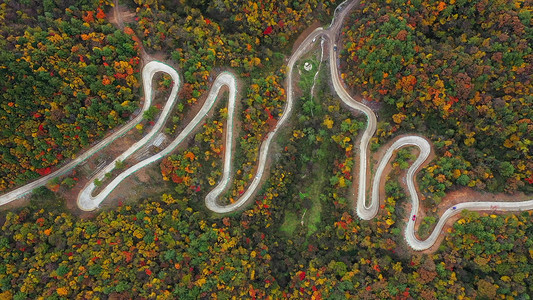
[[143, 176], [159, 56], [16, 204], [120, 15], [468, 194], [143, 184], [85, 171], [301, 38], [116, 148]]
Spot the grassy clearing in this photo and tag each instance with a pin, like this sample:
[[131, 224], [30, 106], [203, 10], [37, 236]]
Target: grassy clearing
[[314, 215], [311, 215], [290, 222]]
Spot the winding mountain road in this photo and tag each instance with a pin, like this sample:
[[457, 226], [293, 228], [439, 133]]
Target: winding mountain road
[[366, 211], [150, 69], [88, 202]]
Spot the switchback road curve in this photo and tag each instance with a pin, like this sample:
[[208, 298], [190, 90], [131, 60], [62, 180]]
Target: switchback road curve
[[86, 201]]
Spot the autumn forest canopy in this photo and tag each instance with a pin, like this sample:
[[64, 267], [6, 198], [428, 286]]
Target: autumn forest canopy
[[459, 71], [68, 77], [455, 71]]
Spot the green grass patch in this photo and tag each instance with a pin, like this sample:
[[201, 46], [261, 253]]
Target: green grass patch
[[290, 222], [311, 215], [307, 76], [314, 214]]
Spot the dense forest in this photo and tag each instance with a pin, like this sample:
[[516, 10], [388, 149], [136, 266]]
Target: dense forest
[[252, 38], [458, 70], [169, 247], [299, 239], [67, 77]]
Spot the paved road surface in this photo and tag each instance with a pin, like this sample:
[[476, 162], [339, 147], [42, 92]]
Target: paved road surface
[[152, 67], [88, 202], [366, 211]]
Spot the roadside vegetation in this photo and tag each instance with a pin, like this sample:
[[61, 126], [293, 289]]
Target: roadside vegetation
[[299, 238], [201, 40], [458, 72], [67, 78]]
